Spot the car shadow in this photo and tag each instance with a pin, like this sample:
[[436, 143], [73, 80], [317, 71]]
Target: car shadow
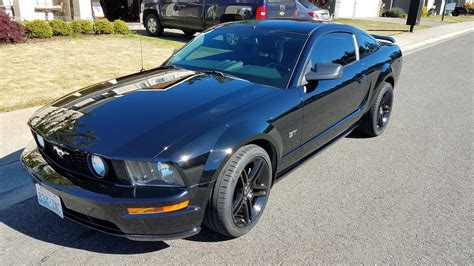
[[25, 216], [356, 135], [37, 222], [167, 35]]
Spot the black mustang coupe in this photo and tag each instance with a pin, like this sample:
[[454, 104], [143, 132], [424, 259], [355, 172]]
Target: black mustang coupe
[[203, 137]]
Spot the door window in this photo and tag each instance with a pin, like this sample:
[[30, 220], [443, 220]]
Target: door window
[[335, 48]]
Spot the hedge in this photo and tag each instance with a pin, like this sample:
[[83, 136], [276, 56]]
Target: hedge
[[103, 26], [38, 29], [120, 27], [60, 27], [80, 26]]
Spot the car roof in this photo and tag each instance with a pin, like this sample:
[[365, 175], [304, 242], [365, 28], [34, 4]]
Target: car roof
[[294, 26]]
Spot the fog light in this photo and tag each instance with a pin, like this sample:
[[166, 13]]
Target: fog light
[[40, 141], [98, 165], [162, 209]]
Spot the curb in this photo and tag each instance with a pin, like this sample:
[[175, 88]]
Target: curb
[[415, 46]]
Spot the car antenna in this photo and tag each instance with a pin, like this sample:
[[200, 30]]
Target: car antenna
[[141, 53]]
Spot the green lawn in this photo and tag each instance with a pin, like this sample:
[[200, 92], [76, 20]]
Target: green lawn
[[377, 27], [449, 19], [38, 72]]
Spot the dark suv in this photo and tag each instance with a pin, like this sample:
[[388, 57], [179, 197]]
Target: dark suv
[[192, 16]]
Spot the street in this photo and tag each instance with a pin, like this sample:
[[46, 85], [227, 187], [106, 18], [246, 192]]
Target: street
[[404, 197]]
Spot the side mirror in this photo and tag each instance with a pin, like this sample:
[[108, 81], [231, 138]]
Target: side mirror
[[324, 72]]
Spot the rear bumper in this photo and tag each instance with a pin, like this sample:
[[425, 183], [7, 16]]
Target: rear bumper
[[109, 214]]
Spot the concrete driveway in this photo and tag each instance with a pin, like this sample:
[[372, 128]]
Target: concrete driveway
[[404, 197]]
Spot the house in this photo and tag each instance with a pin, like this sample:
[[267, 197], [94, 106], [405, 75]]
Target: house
[[47, 9], [436, 5], [350, 8]]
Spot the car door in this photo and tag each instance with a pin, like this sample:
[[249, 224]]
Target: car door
[[330, 106], [194, 14], [172, 13]]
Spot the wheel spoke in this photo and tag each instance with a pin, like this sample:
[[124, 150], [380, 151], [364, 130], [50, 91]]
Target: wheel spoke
[[236, 209], [256, 170], [247, 212], [259, 190]]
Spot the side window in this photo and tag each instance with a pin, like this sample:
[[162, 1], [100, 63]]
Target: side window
[[335, 48], [367, 45]]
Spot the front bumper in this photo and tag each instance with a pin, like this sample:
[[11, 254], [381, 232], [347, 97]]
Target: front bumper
[[109, 214]]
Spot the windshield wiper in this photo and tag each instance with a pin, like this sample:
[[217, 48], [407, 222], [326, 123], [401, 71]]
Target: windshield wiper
[[218, 73], [170, 66]]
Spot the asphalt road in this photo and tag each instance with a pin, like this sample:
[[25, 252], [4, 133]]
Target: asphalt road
[[404, 197]]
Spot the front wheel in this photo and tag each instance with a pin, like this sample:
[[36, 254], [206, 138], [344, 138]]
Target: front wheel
[[240, 193], [376, 120], [153, 25]]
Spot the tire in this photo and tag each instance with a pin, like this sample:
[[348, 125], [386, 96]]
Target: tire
[[189, 33], [153, 25], [376, 120], [223, 214]]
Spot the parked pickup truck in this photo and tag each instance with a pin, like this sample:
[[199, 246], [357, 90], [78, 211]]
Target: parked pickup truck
[[192, 16]]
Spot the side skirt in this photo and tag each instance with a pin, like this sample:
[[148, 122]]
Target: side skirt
[[283, 173]]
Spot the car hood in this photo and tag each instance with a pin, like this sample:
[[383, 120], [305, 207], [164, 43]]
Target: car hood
[[139, 116]]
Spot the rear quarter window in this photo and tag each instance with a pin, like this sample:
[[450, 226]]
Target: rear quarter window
[[367, 45]]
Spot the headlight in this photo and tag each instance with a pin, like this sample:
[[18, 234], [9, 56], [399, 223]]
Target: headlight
[[98, 165], [153, 174], [40, 141]]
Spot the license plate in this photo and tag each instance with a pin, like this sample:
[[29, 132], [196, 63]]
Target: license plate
[[49, 200]]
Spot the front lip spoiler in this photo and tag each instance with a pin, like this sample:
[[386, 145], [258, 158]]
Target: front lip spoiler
[[134, 237]]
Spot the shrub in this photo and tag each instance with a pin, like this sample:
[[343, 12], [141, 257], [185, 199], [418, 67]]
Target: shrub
[[424, 11], [10, 31], [120, 27], [38, 29], [394, 14], [60, 27], [103, 26], [80, 26], [469, 6]]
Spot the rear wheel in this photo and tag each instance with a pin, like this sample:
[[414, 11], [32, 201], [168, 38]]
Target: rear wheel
[[376, 120], [153, 25], [240, 193]]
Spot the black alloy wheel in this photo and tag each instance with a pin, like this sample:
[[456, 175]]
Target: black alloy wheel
[[240, 193], [251, 192], [375, 121], [385, 107]]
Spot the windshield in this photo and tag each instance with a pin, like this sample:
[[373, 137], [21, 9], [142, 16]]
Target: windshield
[[259, 56]]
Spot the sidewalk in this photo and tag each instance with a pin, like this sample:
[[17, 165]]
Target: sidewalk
[[15, 184], [409, 42]]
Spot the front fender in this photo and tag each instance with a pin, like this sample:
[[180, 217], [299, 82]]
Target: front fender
[[235, 137], [201, 155]]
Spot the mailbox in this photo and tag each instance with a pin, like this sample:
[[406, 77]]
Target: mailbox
[[414, 13]]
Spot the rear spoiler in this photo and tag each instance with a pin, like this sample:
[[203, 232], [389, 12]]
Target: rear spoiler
[[384, 38]]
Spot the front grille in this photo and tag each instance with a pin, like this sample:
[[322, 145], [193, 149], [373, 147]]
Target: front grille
[[72, 160]]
